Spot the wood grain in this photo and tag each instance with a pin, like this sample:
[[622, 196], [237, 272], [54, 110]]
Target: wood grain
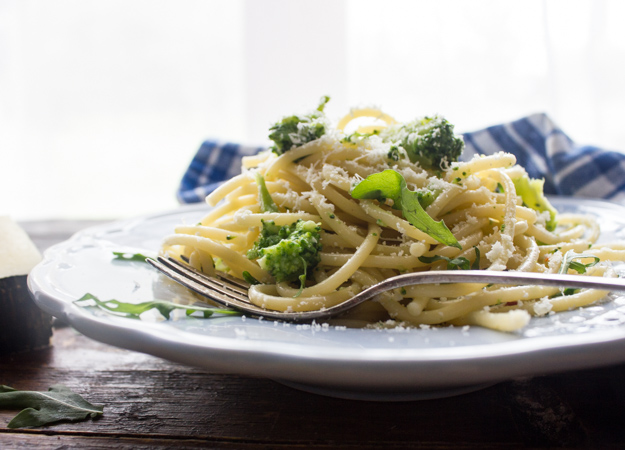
[[147, 398]]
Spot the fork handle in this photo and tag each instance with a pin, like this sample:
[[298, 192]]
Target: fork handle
[[511, 278]]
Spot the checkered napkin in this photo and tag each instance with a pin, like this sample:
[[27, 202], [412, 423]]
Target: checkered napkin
[[538, 144], [213, 163]]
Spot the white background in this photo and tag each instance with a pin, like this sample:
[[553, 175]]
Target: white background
[[104, 103]]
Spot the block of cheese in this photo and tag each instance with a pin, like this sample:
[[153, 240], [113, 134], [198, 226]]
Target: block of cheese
[[23, 326]]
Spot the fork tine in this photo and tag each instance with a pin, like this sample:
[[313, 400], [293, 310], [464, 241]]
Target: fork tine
[[189, 280], [231, 296], [216, 284], [224, 281], [244, 285]]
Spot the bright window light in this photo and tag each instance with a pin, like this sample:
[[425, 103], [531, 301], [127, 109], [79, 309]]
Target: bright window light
[[103, 104]]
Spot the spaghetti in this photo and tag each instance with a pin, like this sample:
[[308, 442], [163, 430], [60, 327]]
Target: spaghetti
[[493, 226]]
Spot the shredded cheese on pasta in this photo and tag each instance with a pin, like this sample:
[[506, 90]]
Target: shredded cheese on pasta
[[365, 241]]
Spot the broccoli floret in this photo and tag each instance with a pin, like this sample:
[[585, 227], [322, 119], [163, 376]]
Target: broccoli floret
[[293, 131], [288, 252], [429, 141]]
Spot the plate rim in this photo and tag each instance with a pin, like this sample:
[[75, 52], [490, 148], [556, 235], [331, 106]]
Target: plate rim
[[404, 369]]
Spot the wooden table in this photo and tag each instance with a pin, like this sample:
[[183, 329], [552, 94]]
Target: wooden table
[[152, 403]]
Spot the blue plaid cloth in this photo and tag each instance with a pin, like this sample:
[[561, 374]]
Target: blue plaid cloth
[[213, 163], [538, 144]]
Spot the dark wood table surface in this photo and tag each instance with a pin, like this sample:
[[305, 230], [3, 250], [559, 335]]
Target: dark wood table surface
[[153, 403]]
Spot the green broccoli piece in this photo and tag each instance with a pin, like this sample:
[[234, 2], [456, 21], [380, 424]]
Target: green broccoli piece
[[288, 252], [429, 141], [293, 131]]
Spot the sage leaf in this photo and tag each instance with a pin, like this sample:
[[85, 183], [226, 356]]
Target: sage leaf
[[165, 308], [41, 408]]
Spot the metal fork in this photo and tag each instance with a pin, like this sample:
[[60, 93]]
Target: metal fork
[[232, 292]]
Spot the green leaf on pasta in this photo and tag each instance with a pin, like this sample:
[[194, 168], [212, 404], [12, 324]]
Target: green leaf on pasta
[[570, 262], [390, 184], [264, 197]]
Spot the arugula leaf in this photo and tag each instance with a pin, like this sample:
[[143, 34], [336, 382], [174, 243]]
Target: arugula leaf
[[380, 186], [322, 103], [427, 198], [565, 292], [570, 263], [264, 197], [357, 137], [476, 263], [125, 256], [134, 310], [459, 263], [416, 215], [391, 184], [41, 408], [249, 278]]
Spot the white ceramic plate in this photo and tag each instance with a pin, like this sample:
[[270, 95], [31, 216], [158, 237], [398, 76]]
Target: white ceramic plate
[[402, 364]]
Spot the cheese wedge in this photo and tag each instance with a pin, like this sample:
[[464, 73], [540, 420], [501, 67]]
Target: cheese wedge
[[18, 254]]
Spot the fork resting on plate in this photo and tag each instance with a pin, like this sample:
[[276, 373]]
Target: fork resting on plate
[[233, 293]]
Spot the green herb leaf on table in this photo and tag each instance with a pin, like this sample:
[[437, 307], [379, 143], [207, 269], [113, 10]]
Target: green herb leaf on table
[[390, 184], [42, 408], [165, 308]]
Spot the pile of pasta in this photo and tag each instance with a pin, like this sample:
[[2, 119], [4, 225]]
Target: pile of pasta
[[365, 241]]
